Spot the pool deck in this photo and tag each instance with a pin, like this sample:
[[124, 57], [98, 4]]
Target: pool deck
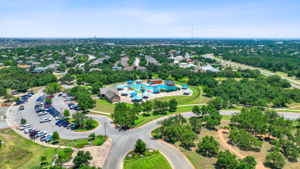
[[127, 99]]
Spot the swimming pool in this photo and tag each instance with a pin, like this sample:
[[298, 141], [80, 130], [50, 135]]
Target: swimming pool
[[139, 87], [166, 87]]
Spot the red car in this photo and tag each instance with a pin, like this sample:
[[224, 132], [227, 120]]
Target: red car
[[50, 96]]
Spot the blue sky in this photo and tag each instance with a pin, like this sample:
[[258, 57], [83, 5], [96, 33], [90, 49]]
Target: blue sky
[[150, 18]]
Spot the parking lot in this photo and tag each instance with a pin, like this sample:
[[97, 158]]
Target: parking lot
[[59, 104]]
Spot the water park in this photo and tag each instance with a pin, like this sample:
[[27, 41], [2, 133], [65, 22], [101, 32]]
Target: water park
[[137, 91]]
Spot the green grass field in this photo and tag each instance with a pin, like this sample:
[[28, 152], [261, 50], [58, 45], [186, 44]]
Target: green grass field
[[157, 161], [103, 105], [20, 153]]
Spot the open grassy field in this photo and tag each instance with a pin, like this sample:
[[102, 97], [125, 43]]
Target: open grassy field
[[103, 105], [156, 161], [20, 153]]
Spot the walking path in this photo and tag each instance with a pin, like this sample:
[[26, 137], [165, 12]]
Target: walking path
[[224, 142]]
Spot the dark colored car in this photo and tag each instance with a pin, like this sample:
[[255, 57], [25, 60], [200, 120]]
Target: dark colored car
[[21, 107], [65, 124], [33, 133], [58, 122]]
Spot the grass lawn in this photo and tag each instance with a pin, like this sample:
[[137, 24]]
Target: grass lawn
[[95, 125], [104, 106], [80, 143], [156, 161], [196, 98], [20, 153]]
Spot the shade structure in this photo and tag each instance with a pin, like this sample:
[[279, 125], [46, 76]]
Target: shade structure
[[138, 81], [120, 87], [124, 93], [136, 98], [130, 82], [184, 86], [146, 94]]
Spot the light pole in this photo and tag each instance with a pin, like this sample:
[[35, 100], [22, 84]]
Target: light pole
[[105, 128]]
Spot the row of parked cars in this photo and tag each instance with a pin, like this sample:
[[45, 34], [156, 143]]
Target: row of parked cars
[[24, 98], [36, 134]]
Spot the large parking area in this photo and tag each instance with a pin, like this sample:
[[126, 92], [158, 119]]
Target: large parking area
[[55, 111]]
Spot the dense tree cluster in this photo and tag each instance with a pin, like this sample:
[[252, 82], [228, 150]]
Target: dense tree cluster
[[266, 124], [176, 129], [83, 97], [261, 91], [227, 160], [20, 80]]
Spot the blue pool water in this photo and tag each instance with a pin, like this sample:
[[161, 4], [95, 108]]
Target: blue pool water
[[139, 87]]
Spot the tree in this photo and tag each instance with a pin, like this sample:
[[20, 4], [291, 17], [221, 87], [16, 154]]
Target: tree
[[147, 106], [208, 146], [173, 105], [252, 120], [244, 140], [23, 121], [196, 110], [92, 136], [66, 113], [274, 160], [52, 88], [226, 160], [123, 116], [48, 100], [140, 147], [212, 120], [82, 159], [55, 136], [247, 163], [196, 124]]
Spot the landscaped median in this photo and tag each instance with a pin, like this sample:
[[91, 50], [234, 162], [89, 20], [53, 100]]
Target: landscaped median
[[153, 160], [93, 140], [145, 158]]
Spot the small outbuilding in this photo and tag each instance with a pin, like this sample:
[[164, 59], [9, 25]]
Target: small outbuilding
[[154, 81]]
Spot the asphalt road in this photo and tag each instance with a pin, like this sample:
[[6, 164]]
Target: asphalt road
[[123, 140]]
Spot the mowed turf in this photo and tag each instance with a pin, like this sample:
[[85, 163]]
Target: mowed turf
[[157, 161], [17, 152]]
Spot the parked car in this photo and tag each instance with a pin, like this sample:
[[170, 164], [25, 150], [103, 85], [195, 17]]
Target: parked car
[[25, 126], [59, 117], [72, 126], [26, 131], [44, 120], [60, 94], [42, 113], [33, 133], [48, 138], [58, 122], [62, 123], [65, 124], [43, 137], [20, 102], [40, 133], [21, 107]]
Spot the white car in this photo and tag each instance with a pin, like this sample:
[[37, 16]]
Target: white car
[[42, 113], [44, 120], [25, 126]]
